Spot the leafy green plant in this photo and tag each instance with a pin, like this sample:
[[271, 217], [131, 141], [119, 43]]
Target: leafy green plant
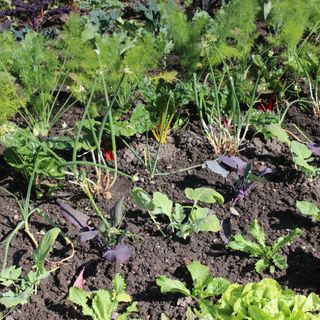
[[234, 31], [204, 286], [185, 35], [10, 101], [308, 208], [301, 154], [269, 257], [198, 220], [24, 287], [41, 76], [24, 152], [103, 304], [262, 300]]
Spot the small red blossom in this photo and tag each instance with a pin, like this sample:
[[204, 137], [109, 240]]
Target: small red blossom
[[109, 155], [269, 106]]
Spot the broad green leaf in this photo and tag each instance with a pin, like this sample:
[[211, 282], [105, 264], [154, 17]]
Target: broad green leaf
[[162, 204], [205, 195], [80, 298], [300, 150], [257, 314], [309, 209], [133, 307], [102, 305], [282, 241], [278, 132], [280, 261], [240, 243], [312, 303], [199, 273], [118, 283], [208, 224], [261, 265], [178, 214], [172, 286], [44, 248], [10, 299], [216, 286], [198, 214], [9, 275], [257, 232], [142, 199], [123, 297]]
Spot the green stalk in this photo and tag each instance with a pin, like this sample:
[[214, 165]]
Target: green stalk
[[159, 145], [76, 142]]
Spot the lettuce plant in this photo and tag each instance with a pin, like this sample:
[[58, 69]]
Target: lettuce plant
[[263, 300], [103, 304], [204, 285], [198, 220], [269, 257]]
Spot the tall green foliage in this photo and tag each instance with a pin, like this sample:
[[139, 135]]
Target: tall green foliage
[[234, 30], [185, 35]]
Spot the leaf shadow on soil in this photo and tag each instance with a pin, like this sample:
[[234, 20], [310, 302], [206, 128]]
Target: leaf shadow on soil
[[302, 273], [288, 219]]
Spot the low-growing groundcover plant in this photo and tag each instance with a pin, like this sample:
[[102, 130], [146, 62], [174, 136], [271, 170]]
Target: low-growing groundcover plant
[[198, 220], [259, 249], [103, 304]]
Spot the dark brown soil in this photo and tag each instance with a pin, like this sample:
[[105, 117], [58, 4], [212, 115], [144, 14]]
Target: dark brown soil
[[153, 254]]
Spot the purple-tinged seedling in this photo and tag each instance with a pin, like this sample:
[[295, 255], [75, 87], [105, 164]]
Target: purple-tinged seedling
[[235, 163], [245, 180], [77, 218], [315, 148], [110, 236], [119, 254]]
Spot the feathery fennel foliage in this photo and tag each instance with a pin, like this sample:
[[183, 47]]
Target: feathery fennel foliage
[[234, 31]]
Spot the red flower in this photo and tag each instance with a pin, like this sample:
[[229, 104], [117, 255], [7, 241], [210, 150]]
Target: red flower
[[109, 155], [269, 106]]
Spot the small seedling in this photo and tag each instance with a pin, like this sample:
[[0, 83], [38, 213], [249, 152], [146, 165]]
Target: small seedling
[[110, 234], [259, 249], [204, 285], [23, 287], [103, 304], [245, 180], [198, 220]]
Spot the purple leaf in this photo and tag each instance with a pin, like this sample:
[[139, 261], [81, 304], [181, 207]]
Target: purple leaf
[[121, 253], [225, 231], [315, 148], [75, 217], [88, 235], [215, 167], [263, 170], [244, 191], [233, 162]]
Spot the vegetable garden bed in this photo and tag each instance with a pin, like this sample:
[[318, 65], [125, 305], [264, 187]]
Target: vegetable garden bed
[[169, 199]]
